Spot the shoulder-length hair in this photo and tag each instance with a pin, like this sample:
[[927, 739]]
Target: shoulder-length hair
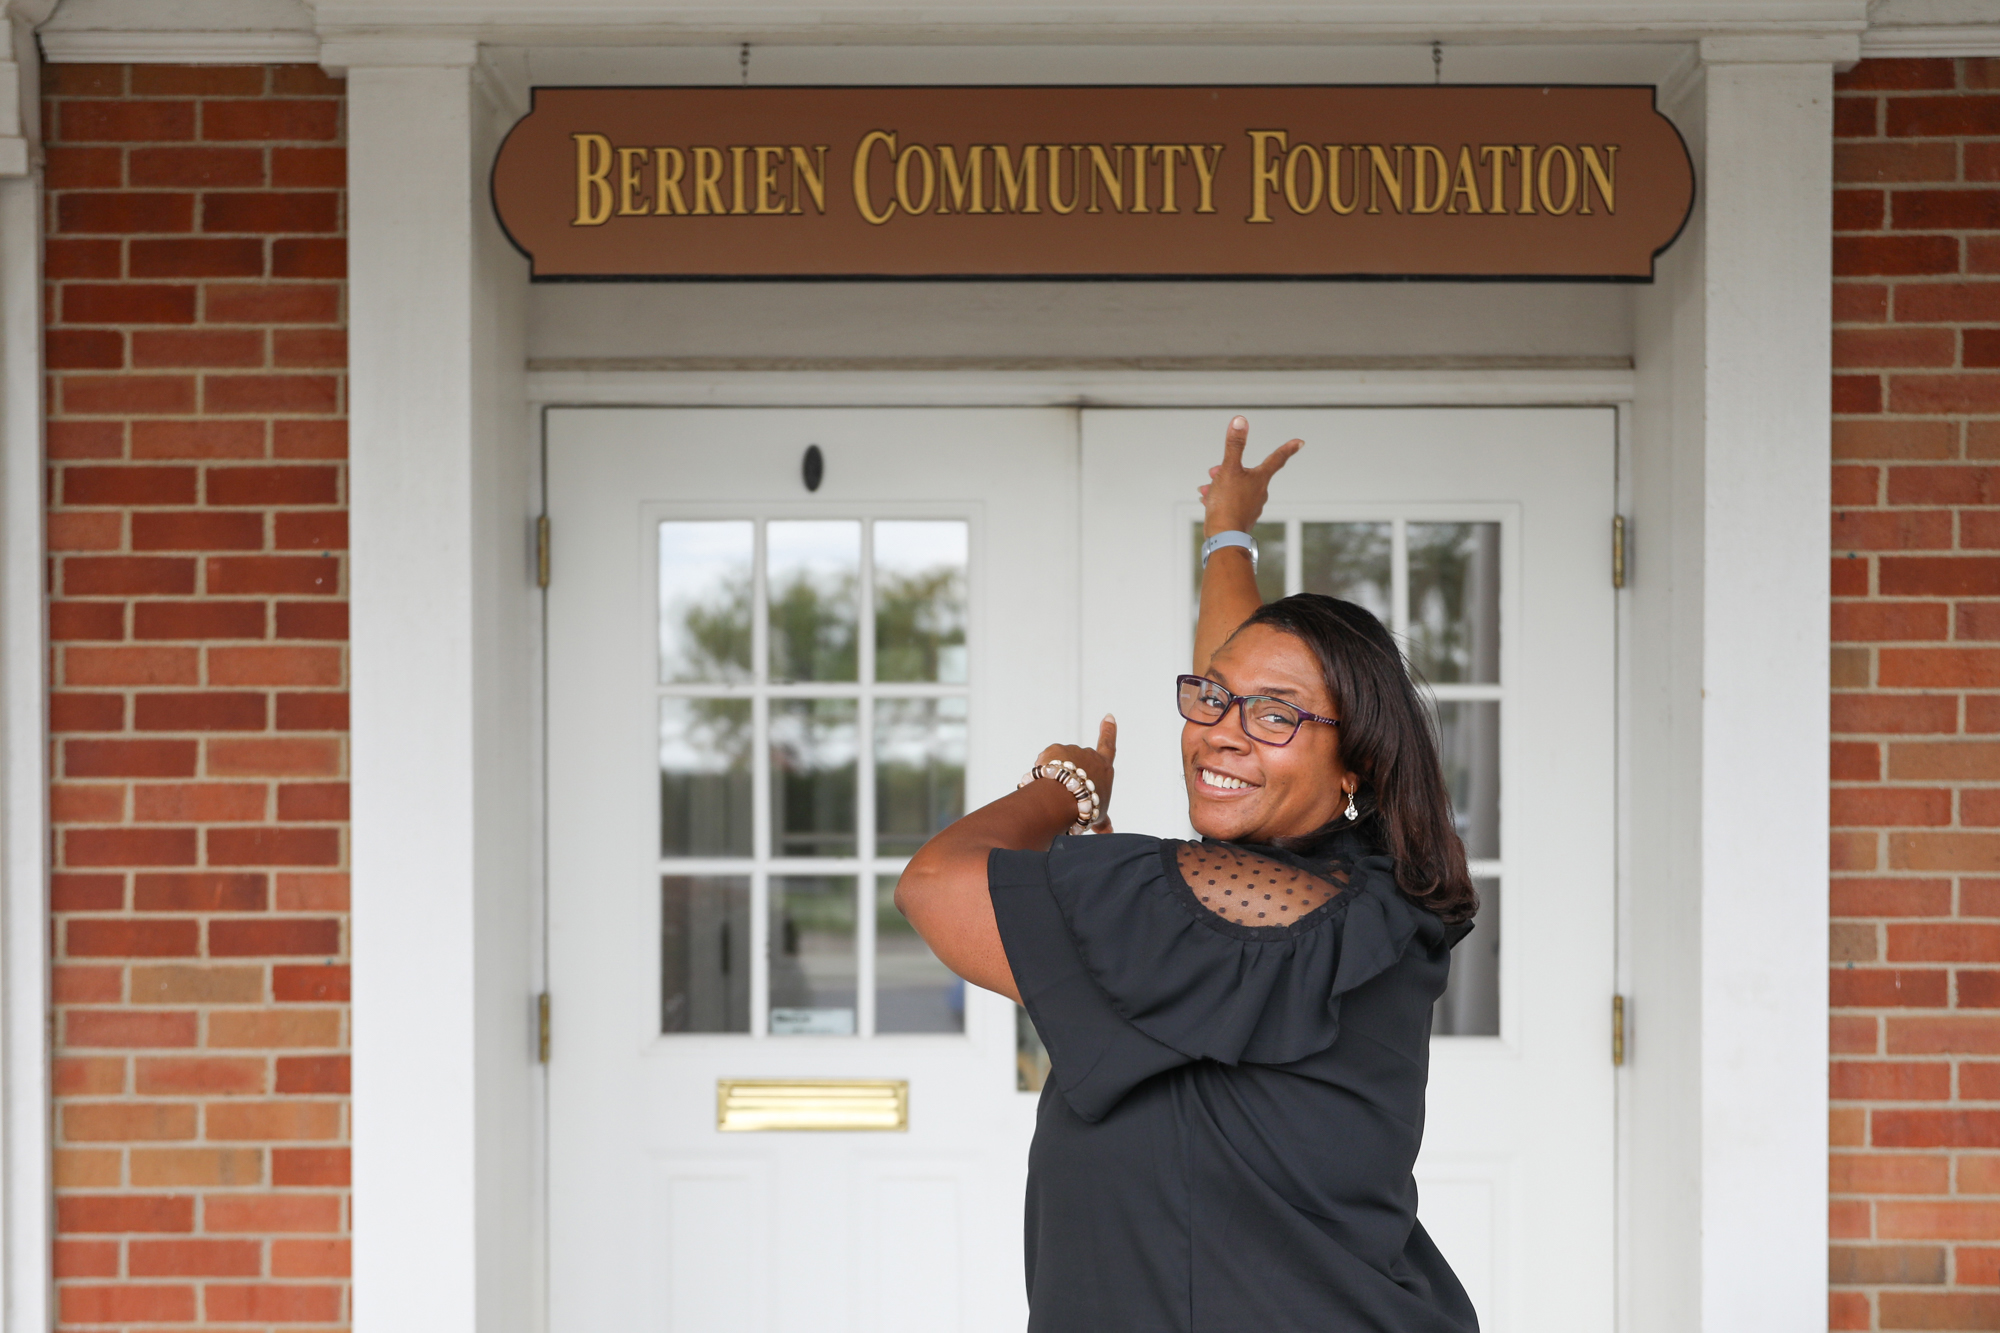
[[1387, 741]]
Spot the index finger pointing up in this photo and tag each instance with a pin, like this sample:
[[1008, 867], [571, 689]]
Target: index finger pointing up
[[1233, 442], [1107, 737]]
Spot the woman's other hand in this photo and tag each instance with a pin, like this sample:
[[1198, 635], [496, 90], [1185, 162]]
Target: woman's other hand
[[1096, 765], [1235, 495]]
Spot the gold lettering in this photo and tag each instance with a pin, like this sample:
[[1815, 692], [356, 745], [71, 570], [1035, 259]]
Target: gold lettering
[[1015, 188], [593, 180], [813, 177], [1204, 170], [1333, 199], [1604, 173], [1465, 184], [957, 186], [915, 152], [1424, 159], [1311, 155], [1497, 156], [1111, 172], [737, 154], [861, 200], [1055, 151], [1264, 169], [1569, 179], [1382, 174], [769, 158], [1527, 178], [667, 180], [630, 168], [1139, 151], [707, 181], [1170, 155]]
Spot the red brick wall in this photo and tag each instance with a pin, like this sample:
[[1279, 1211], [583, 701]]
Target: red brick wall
[[1916, 704], [197, 534]]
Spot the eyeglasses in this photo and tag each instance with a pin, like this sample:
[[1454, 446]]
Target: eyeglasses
[[1270, 721]]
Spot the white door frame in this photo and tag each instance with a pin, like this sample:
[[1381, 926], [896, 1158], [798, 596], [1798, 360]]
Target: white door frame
[[1723, 1184]]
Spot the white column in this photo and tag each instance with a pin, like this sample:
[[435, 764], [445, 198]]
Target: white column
[[1764, 624], [24, 1132], [442, 778]]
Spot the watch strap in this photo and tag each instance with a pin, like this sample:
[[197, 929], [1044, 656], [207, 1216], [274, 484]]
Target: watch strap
[[1230, 538]]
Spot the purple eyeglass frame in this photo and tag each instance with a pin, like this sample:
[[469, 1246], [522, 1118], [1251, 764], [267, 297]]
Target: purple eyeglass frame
[[1244, 699]]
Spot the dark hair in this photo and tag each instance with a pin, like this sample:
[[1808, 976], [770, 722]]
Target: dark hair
[[1388, 742]]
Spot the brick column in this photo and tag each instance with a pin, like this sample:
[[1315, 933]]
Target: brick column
[[1916, 698], [197, 534]]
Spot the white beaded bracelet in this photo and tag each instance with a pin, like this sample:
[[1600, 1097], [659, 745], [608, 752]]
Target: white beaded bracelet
[[1077, 783]]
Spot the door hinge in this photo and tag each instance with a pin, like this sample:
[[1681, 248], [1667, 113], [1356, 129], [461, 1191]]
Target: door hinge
[[542, 551], [542, 1027], [1617, 551], [1617, 1030]]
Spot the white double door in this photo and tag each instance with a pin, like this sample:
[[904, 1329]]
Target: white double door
[[763, 696]]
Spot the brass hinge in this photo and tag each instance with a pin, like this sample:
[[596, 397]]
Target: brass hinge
[[542, 1026], [1617, 551], [1617, 1030], [542, 551]]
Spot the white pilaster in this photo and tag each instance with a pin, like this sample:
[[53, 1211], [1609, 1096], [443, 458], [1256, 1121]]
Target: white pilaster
[[1764, 624], [442, 648]]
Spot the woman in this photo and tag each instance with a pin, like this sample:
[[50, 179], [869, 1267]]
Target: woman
[[1238, 1029]]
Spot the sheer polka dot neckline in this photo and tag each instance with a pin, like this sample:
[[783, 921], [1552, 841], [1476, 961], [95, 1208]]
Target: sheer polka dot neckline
[[1250, 890]]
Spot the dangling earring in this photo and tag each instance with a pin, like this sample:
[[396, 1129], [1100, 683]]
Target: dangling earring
[[1352, 813]]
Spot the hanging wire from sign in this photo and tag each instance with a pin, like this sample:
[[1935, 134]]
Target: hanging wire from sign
[[743, 59], [1437, 61]]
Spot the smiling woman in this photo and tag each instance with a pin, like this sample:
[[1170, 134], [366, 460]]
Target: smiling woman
[[1222, 1144]]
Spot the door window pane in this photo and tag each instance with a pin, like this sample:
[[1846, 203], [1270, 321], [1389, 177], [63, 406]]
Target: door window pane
[[705, 751], [1031, 1058], [705, 601], [1455, 601], [813, 577], [914, 992], [1470, 1005], [1469, 745], [812, 777], [1350, 561], [920, 589], [704, 953], [919, 770], [814, 973]]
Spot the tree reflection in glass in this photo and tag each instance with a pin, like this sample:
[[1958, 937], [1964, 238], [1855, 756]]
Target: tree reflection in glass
[[813, 576], [920, 600]]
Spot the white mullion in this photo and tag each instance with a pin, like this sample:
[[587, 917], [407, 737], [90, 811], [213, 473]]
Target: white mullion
[[1295, 558], [864, 795], [1399, 583], [760, 795]]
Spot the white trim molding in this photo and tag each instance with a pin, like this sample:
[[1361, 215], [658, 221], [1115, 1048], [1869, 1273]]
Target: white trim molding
[[1961, 41]]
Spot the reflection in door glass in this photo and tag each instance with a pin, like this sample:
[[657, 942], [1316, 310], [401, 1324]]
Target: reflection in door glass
[[814, 972], [1470, 1005], [813, 579], [705, 752], [704, 953], [812, 777], [1469, 745], [705, 601], [920, 600], [1031, 1058], [1350, 561], [914, 992], [1455, 601], [919, 770], [1270, 539]]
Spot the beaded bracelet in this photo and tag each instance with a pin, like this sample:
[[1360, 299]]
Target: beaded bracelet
[[1077, 783]]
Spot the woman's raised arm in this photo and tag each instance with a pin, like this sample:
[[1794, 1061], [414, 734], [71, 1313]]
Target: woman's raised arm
[[943, 890], [1232, 502]]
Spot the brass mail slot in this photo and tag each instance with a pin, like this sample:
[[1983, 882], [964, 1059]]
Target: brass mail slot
[[745, 1105]]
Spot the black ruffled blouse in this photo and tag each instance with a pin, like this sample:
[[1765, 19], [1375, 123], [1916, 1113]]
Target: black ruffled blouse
[[1226, 1140]]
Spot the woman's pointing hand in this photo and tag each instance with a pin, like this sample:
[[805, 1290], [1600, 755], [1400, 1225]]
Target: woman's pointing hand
[[1235, 495], [1096, 763]]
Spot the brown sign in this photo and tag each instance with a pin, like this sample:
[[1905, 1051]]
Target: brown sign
[[1108, 182]]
